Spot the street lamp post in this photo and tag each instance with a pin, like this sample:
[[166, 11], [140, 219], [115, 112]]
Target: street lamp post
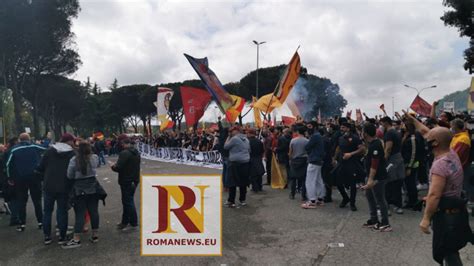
[[258, 46], [418, 91]]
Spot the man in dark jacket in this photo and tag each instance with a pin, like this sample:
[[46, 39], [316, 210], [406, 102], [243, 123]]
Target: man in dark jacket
[[256, 164], [53, 166], [99, 147], [128, 168], [21, 165], [348, 152]]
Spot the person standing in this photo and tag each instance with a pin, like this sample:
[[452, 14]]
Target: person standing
[[56, 186], [238, 169], [461, 142], [411, 157], [445, 207], [86, 192], [347, 170], [99, 146], [21, 166], [315, 190], [329, 139], [377, 178], [395, 165], [298, 163], [128, 168], [256, 165], [267, 144]]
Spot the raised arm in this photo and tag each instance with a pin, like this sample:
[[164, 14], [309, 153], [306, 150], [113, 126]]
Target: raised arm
[[418, 125]]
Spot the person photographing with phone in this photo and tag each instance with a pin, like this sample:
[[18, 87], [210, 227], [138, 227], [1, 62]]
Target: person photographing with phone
[[128, 169]]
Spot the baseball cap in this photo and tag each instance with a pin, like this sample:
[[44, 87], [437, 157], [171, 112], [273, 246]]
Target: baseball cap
[[67, 137]]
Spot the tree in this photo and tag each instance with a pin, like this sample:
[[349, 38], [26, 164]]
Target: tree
[[114, 85], [132, 104], [461, 16], [35, 40], [267, 80], [88, 85], [95, 89], [61, 101]]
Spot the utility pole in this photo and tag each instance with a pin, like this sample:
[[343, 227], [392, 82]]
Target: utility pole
[[258, 48]]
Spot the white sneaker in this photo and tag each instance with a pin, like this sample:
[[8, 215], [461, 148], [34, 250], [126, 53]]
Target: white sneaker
[[420, 187], [398, 210]]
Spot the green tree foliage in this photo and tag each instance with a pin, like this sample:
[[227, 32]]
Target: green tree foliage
[[131, 104], [114, 85], [461, 16], [61, 101], [35, 39]]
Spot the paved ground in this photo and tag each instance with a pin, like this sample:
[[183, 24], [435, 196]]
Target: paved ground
[[271, 230]]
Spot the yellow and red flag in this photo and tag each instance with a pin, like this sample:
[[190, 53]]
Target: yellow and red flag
[[165, 123], [256, 114], [279, 177], [288, 79], [267, 103], [233, 112]]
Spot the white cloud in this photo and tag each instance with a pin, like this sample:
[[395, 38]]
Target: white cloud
[[370, 48]]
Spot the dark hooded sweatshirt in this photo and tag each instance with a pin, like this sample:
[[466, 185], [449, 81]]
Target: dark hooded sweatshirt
[[54, 165]]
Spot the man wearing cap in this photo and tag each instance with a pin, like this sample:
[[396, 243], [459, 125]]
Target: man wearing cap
[[128, 169], [53, 166], [22, 162]]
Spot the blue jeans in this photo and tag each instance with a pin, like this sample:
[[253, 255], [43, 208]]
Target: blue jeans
[[101, 158], [129, 215], [61, 212]]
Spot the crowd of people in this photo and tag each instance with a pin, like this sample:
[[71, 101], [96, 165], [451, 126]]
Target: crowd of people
[[65, 174], [390, 159], [196, 140]]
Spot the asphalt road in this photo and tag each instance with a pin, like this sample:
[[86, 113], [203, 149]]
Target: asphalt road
[[271, 230]]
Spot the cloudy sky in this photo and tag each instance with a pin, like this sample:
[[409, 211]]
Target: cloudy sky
[[369, 48]]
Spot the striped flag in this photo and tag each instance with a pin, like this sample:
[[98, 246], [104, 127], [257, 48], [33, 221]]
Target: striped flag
[[288, 79], [233, 112]]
